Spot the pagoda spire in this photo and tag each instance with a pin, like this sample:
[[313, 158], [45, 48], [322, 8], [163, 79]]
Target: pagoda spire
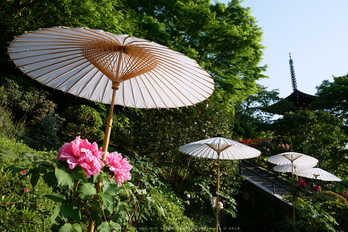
[[292, 72]]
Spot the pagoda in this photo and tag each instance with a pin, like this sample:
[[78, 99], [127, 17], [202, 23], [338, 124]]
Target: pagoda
[[299, 99]]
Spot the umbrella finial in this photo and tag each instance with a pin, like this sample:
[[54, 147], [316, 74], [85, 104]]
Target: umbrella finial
[[218, 135]]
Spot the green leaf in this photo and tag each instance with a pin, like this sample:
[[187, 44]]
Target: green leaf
[[108, 202], [64, 178], [96, 216], [115, 226], [76, 215], [111, 189], [16, 168], [9, 154], [66, 228], [66, 210], [104, 227], [56, 212], [77, 227], [149, 202], [26, 158], [49, 178], [79, 174], [34, 179], [56, 197], [87, 190]]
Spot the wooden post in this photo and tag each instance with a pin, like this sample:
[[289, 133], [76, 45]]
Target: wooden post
[[217, 196], [105, 146], [115, 86]]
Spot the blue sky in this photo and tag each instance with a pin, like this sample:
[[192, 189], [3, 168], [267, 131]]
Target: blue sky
[[315, 32]]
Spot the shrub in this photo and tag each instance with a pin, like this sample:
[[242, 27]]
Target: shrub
[[84, 121], [8, 128], [33, 106]]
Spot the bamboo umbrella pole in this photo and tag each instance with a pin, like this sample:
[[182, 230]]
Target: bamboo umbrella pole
[[115, 87], [292, 182], [217, 195], [105, 149]]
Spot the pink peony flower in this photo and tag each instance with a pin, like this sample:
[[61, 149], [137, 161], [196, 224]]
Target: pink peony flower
[[82, 153], [316, 188], [120, 167], [301, 182], [23, 172], [26, 190], [7, 203]]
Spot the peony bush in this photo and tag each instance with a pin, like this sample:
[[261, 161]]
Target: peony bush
[[71, 180]]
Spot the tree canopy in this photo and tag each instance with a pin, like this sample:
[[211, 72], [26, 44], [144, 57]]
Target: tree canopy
[[333, 97], [224, 40]]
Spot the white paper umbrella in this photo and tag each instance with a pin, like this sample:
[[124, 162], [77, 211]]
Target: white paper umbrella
[[289, 168], [111, 69], [90, 63], [293, 158], [219, 148], [317, 174]]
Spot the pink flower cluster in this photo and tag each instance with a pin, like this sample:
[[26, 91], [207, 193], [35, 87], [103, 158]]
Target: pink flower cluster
[[316, 188], [301, 183], [82, 153], [119, 166]]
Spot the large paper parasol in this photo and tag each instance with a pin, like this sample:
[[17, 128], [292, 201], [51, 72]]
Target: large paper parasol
[[317, 174], [219, 148], [294, 159], [111, 69], [290, 168]]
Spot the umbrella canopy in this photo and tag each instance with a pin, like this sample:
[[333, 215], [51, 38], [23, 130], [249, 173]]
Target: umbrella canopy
[[294, 158], [89, 63], [317, 174], [219, 148], [111, 69], [289, 168]]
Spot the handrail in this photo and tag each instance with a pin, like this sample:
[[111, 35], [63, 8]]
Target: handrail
[[277, 174], [273, 182]]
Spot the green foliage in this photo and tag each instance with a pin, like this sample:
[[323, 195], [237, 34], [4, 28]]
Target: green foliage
[[317, 210], [84, 121], [32, 106], [333, 96], [318, 134], [69, 198], [169, 217], [224, 40], [8, 128], [21, 205]]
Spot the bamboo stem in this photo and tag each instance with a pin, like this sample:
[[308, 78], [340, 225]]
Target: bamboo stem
[[217, 196]]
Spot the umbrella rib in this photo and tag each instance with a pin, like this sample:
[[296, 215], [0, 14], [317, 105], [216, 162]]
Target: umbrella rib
[[100, 79], [178, 89], [192, 83], [64, 74], [102, 35], [194, 65], [106, 86], [77, 34], [90, 70], [44, 49], [155, 89], [30, 71], [54, 58]]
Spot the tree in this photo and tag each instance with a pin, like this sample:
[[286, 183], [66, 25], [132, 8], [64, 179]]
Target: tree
[[225, 41], [318, 134], [333, 97], [256, 113]]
